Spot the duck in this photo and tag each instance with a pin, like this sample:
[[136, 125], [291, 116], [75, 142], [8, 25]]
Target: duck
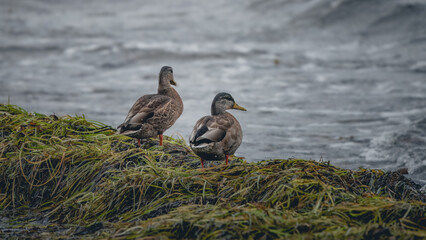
[[219, 135], [151, 115]]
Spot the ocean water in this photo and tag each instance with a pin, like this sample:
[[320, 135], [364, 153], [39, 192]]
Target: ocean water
[[339, 80]]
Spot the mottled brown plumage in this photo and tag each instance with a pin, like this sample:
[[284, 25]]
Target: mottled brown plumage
[[217, 136], [153, 114]]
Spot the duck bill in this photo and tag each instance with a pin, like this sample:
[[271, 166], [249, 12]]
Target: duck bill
[[173, 82], [238, 107]]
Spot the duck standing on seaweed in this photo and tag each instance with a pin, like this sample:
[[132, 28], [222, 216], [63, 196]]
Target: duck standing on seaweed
[[153, 114], [217, 136]]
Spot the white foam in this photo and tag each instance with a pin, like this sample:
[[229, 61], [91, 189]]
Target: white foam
[[419, 66]]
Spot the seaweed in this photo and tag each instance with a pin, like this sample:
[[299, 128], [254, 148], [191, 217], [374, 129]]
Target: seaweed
[[69, 177]]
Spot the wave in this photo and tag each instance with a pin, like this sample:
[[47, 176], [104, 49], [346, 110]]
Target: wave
[[373, 22], [404, 24], [402, 149]]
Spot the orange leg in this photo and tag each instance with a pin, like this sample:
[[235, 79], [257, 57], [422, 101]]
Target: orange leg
[[161, 139], [202, 163], [139, 142], [227, 156]]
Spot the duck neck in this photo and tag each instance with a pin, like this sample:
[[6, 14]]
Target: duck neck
[[163, 85], [165, 90], [170, 92], [217, 110]]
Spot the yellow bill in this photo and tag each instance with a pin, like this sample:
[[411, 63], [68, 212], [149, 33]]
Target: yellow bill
[[236, 106]]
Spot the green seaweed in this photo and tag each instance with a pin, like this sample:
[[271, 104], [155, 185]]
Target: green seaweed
[[69, 177]]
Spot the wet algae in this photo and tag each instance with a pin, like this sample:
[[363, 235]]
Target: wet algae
[[69, 177]]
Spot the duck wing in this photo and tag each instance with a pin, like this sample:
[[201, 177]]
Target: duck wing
[[143, 110], [210, 129]]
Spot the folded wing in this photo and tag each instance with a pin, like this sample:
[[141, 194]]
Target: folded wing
[[208, 130], [144, 109]]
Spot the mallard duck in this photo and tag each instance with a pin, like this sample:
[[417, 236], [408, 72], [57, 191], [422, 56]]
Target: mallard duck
[[153, 114], [217, 136]]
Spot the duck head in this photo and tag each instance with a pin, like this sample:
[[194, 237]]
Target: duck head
[[166, 77], [224, 101]]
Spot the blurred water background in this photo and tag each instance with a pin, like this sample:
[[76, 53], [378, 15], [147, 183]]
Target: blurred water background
[[339, 80]]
